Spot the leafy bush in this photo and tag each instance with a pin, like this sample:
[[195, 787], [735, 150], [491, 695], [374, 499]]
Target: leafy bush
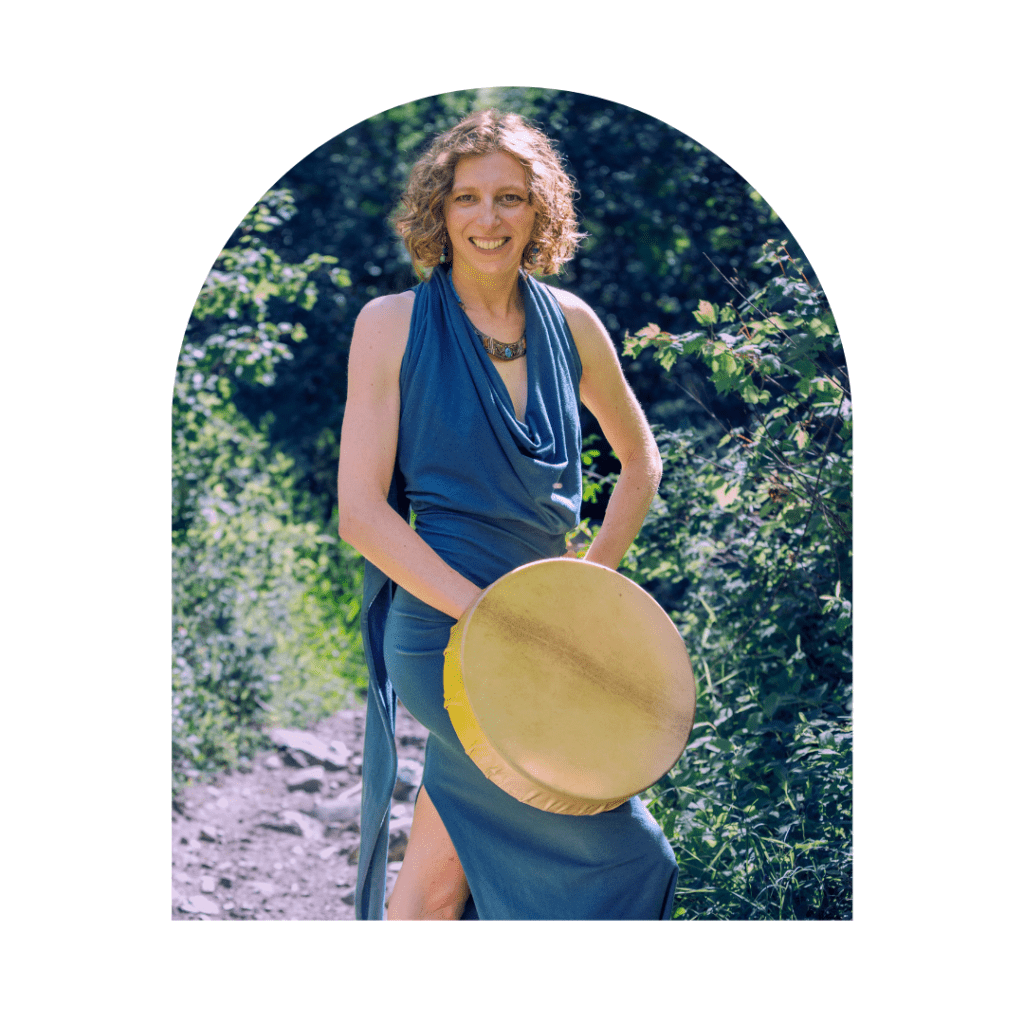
[[264, 608], [749, 548]]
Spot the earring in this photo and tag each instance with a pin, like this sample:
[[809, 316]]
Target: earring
[[444, 251], [534, 253]]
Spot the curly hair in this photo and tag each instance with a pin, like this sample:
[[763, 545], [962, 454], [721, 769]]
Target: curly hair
[[420, 218]]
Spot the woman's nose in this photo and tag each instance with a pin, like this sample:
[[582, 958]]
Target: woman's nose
[[489, 213]]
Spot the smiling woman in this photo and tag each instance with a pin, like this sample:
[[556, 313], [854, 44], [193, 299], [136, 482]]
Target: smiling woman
[[464, 407], [489, 212], [421, 219]]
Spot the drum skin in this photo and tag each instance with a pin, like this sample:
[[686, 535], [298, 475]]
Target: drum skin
[[569, 686]]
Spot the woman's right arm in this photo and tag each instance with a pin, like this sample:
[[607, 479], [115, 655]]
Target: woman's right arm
[[369, 439]]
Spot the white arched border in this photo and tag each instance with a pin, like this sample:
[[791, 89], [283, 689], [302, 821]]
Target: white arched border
[[420, 90]]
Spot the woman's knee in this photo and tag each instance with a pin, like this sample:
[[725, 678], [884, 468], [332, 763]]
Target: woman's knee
[[431, 884]]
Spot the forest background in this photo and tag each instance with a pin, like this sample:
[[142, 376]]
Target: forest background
[[731, 348]]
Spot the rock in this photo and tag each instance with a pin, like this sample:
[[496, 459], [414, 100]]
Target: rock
[[265, 889], [272, 761], [304, 743], [349, 897], [296, 823], [410, 775], [209, 835], [344, 807], [300, 802], [338, 811], [334, 829], [338, 756], [353, 855], [199, 905], [207, 883], [225, 881], [295, 759], [310, 780], [282, 825], [328, 852]]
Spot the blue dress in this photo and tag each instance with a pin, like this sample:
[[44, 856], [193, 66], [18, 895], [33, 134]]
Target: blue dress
[[489, 493]]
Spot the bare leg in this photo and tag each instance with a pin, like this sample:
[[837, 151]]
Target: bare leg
[[431, 885]]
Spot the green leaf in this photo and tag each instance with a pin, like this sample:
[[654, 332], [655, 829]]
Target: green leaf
[[705, 314], [667, 358], [752, 394]]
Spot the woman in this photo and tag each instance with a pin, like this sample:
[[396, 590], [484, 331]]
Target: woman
[[463, 403]]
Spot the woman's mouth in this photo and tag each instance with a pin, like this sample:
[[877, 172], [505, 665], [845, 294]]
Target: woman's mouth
[[489, 243]]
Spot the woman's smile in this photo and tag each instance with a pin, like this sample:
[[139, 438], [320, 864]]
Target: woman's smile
[[489, 243]]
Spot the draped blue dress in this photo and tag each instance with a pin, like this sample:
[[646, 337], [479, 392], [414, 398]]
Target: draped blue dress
[[489, 493]]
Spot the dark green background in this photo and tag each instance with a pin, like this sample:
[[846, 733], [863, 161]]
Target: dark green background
[[134, 132]]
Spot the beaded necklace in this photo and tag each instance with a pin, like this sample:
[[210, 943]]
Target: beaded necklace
[[496, 348]]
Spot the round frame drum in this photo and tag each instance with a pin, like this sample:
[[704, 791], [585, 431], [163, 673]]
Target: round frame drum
[[569, 686]]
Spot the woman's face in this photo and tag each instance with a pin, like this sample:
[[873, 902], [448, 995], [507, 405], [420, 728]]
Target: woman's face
[[488, 213]]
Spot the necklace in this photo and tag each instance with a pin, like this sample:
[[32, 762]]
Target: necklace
[[496, 348]]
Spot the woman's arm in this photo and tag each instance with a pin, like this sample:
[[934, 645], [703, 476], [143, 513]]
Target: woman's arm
[[369, 439], [605, 392]]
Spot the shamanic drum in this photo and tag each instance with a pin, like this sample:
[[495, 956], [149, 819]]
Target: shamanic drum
[[569, 686]]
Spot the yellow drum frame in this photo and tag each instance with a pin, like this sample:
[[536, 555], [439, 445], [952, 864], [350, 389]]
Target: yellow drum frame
[[569, 686]]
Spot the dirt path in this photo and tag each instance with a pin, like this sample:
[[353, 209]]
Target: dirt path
[[253, 847]]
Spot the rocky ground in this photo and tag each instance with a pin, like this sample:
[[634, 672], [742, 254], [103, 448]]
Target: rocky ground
[[279, 841]]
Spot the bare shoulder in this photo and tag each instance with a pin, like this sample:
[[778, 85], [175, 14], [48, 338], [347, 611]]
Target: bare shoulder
[[387, 313], [587, 330], [382, 328], [575, 309]]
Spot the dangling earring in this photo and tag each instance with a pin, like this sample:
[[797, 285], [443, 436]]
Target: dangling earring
[[534, 253], [444, 251]]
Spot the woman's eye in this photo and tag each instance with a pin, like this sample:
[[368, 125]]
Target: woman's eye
[[513, 198]]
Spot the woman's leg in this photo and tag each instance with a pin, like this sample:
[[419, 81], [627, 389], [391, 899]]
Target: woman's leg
[[431, 885]]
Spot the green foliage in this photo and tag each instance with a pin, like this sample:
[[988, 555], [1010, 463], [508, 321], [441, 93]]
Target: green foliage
[[242, 342], [749, 546], [264, 607]]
